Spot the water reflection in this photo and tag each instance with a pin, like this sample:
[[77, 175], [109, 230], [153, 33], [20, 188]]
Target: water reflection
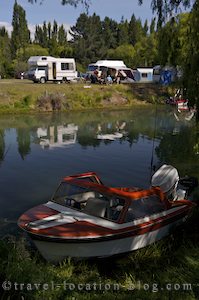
[[118, 145], [2, 146], [53, 131], [23, 139], [57, 136], [111, 131]]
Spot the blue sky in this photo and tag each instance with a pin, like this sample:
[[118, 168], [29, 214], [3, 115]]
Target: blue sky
[[52, 10]]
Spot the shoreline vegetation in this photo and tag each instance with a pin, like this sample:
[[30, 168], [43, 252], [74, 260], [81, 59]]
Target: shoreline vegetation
[[23, 96]]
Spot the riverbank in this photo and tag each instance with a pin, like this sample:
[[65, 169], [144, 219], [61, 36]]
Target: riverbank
[[23, 96], [168, 269]]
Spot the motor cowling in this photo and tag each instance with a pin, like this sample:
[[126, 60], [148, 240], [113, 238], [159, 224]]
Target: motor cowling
[[167, 178]]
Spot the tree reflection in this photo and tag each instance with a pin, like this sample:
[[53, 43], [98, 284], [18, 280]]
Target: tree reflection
[[179, 148], [23, 140], [2, 146], [178, 140]]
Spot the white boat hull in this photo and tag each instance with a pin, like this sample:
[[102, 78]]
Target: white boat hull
[[57, 251]]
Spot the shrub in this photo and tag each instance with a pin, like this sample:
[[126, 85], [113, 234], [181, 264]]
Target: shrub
[[50, 102]]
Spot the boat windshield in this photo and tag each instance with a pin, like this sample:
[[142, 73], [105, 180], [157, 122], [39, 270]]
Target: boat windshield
[[67, 190], [144, 207], [89, 201]]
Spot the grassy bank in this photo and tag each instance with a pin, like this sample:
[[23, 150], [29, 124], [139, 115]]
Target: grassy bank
[[24, 96], [168, 269]]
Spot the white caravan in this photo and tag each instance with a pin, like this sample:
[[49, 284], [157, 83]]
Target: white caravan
[[118, 64], [113, 67], [48, 68]]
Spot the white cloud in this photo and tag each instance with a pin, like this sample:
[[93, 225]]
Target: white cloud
[[31, 27], [7, 25]]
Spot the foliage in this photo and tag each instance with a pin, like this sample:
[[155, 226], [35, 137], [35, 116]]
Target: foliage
[[23, 54], [136, 31], [125, 52], [5, 53], [87, 39], [19, 66], [53, 37], [50, 102], [191, 59], [20, 35]]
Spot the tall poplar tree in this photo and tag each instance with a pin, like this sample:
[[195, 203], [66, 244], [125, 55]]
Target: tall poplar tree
[[20, 36], [5, 54]]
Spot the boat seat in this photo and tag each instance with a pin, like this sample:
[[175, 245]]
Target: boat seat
[[96, 207], [82, 197]]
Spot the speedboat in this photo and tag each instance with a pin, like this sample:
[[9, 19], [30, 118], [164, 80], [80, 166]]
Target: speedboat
[[87, 219], [182, 105]]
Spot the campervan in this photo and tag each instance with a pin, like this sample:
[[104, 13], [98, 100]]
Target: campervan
[[48, 68]]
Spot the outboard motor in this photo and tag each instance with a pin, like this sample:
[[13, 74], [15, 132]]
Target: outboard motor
[[167, 178]]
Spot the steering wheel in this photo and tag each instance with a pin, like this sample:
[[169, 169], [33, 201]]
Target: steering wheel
[[72, 202]]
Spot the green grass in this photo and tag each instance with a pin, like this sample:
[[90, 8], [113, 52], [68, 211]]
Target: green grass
[[168, 269], [17, 96]]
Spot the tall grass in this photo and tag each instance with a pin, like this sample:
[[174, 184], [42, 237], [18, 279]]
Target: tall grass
[[25, 96]]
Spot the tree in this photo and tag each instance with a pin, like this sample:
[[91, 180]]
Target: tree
[[87, 39], [41, 35], [136, 31], [70, 2], [123, 30], [191, 65], [146, 28], [125, 52], [5, 53], [163, 8], [110, 32], [53, 42], [20, 36], [53, 38], [31, 50], [146, 52], [168, 43], [62, 36], [152, 26]]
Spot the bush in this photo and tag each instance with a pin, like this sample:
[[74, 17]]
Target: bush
[[50, 102]]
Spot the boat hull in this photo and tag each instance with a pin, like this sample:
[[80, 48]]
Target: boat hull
[[57, 250]]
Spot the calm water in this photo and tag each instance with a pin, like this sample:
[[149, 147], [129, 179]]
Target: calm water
[[37, 151]]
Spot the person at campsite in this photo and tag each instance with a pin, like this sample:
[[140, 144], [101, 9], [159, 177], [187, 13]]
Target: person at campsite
[[109, 79]]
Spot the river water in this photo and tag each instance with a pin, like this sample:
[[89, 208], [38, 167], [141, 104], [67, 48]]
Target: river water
[[122, 147]]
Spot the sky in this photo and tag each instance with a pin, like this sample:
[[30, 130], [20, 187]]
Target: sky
[[51, 10]]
